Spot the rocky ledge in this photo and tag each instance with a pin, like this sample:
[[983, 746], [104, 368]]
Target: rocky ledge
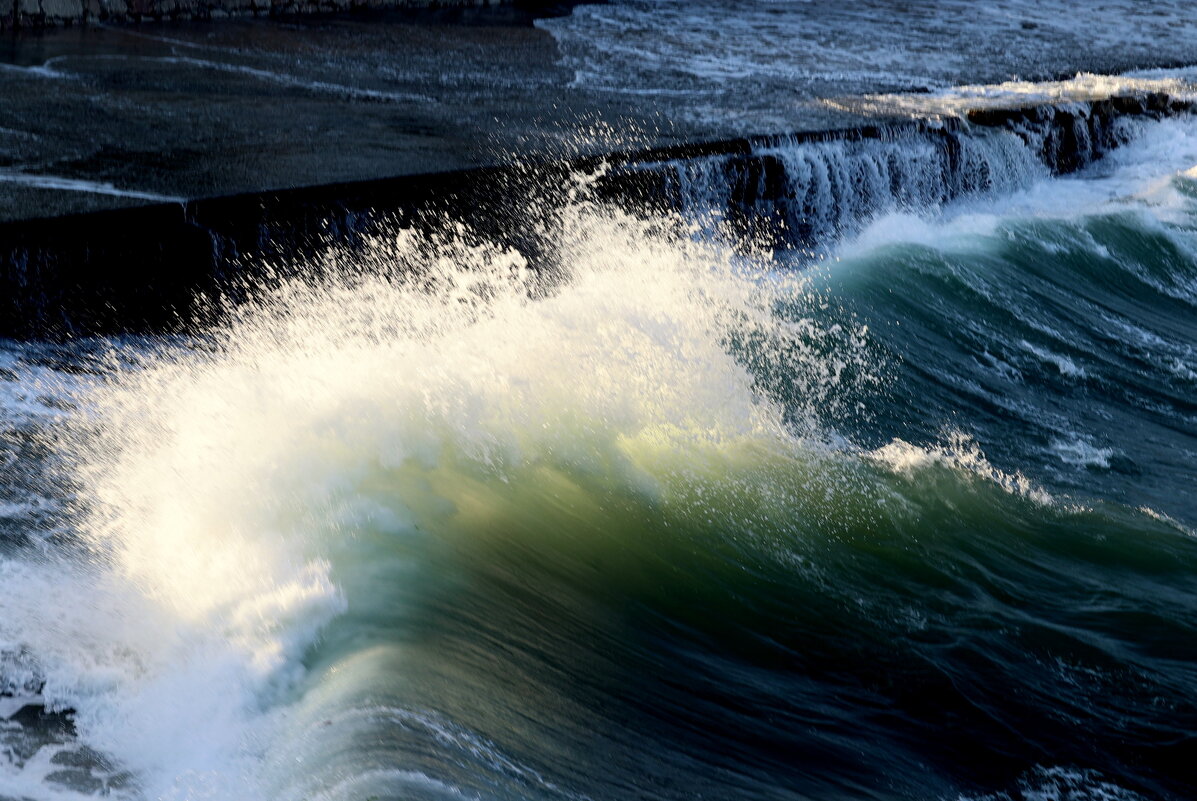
[[147, 269]]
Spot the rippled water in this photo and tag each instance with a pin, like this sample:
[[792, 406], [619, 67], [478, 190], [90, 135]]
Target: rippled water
[[767, 64]]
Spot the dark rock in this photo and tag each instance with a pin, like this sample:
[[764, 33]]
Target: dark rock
[[148, 268]]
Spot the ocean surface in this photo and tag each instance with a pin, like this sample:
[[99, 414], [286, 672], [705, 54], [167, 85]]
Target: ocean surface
[[899, 509], [768, 64]]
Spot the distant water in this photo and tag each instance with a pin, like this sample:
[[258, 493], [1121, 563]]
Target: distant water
[[766, 63], [911, 519]]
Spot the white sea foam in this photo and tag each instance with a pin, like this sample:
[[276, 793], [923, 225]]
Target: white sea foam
[[1081, 452], [1065, 365], [959, 453], [1168, 520], [1061, 784], [226, 486], [958, 100], [965, 231]]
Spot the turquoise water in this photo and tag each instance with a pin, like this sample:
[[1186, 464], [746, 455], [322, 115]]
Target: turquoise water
[[683, 518]]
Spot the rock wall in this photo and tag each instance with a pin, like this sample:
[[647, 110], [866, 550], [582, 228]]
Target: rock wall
[[146, 269], [33, 14]]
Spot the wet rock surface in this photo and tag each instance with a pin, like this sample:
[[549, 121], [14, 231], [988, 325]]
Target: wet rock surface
[[103, 116], [142, 269]]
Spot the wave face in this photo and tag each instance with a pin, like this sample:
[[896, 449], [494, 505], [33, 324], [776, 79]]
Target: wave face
[[675, 519]]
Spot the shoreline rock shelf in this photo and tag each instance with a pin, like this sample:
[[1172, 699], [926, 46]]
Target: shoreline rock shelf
[[146, 268]]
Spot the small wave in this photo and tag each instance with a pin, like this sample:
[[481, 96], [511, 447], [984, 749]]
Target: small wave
[[1081, 452], [1065, 365], [959, 453], [1168, 520], [959, 100]]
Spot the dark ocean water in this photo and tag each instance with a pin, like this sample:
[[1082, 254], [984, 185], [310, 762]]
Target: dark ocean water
[[911, 518], [768, 65]]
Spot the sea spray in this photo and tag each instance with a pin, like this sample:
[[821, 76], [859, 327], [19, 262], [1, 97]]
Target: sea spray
[[226, 483]]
